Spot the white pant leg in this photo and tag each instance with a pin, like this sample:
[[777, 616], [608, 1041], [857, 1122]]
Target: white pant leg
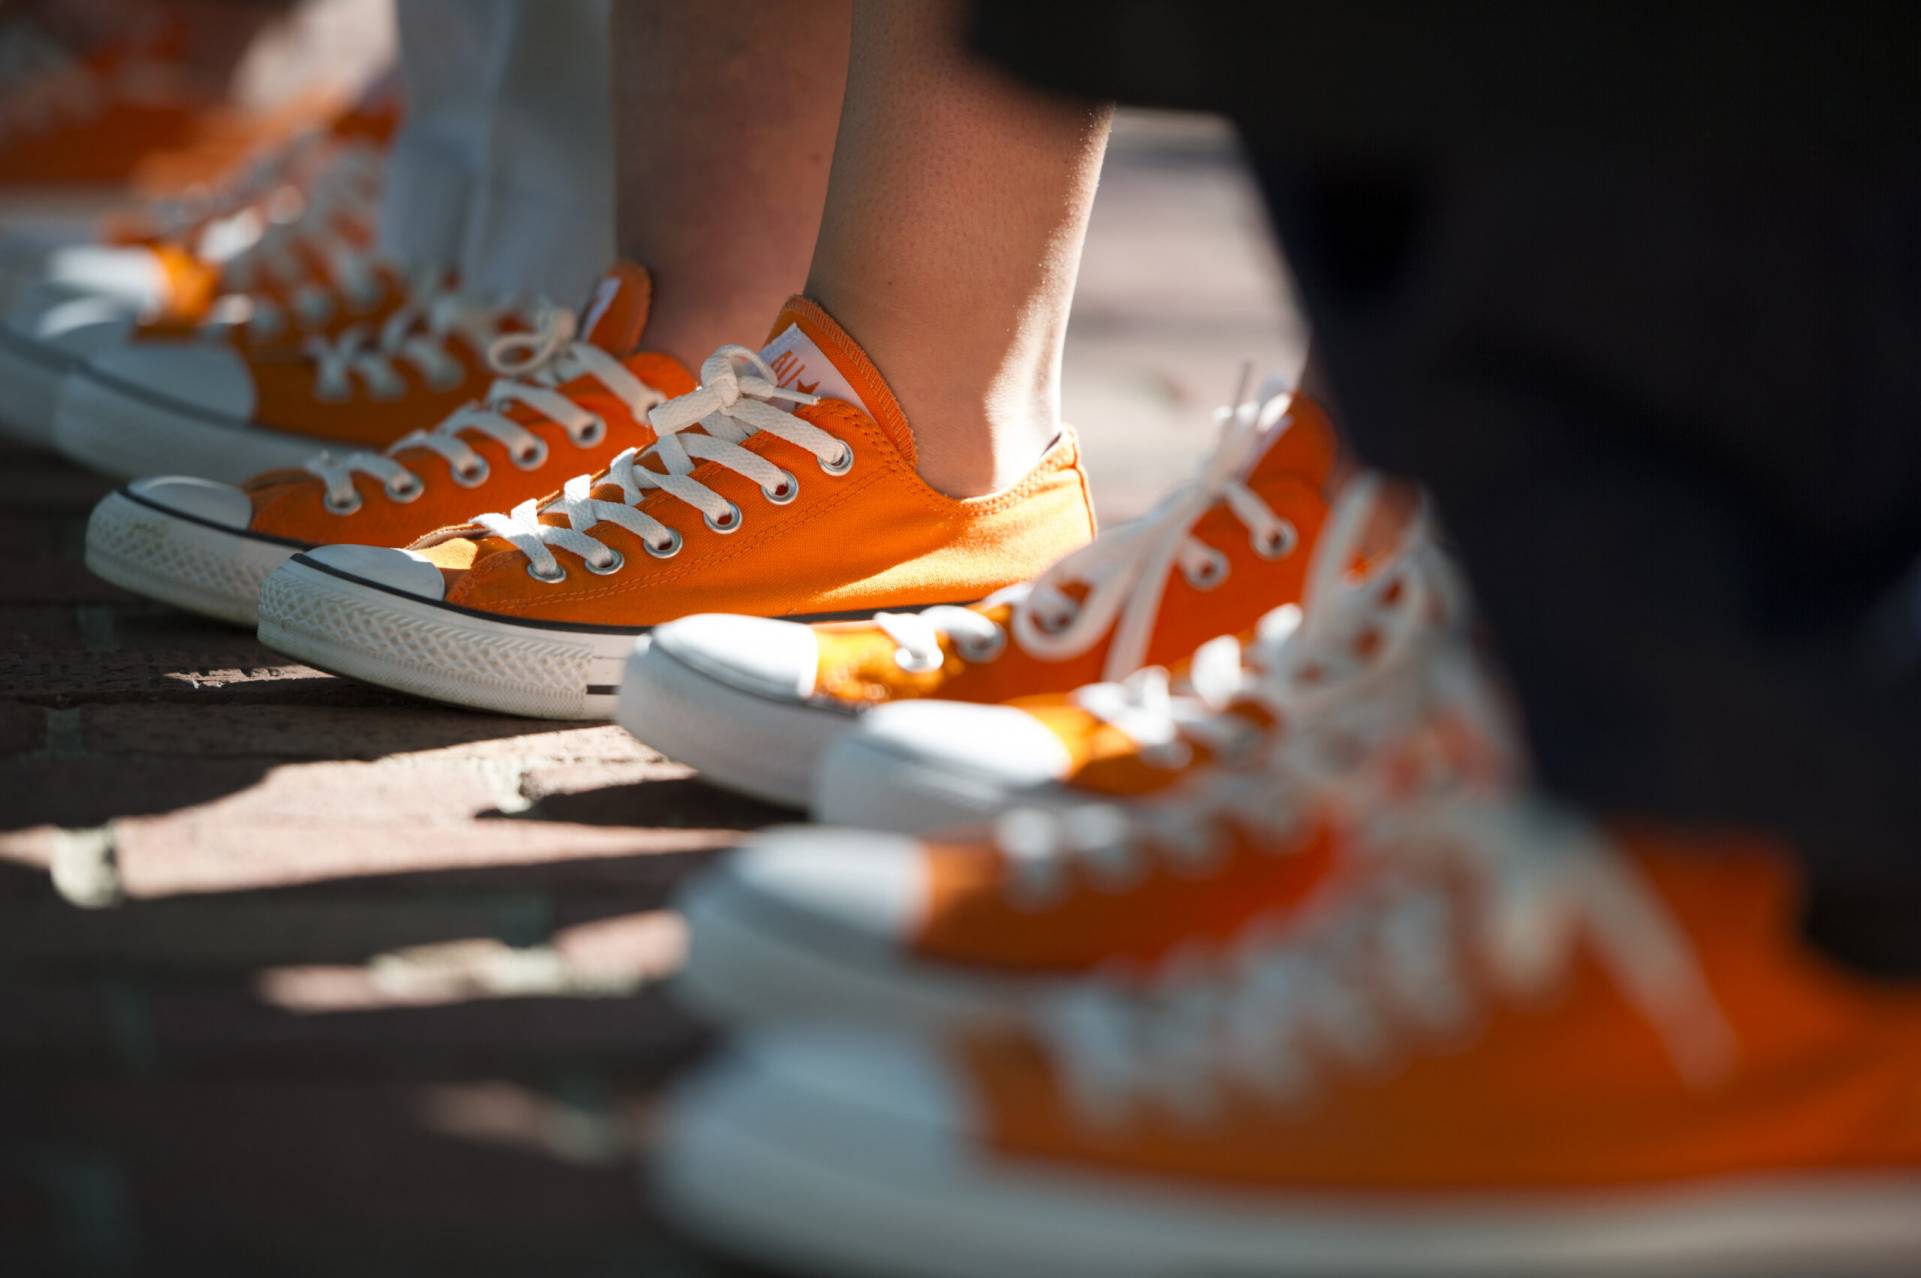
[[542, 222], [446, 50]]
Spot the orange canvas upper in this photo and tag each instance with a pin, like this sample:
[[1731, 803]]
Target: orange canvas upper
[[1777, 1063], [290, 504], [858, 664], [876, 536]]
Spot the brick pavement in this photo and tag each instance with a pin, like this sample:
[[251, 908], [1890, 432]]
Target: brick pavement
[[297, 977]]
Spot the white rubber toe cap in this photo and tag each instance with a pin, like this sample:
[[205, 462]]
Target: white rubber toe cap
[[132, 276], [212, 379], [401, 570], [754, 654], [221, 504], [896, 1076], [848, 888], [991, 742]]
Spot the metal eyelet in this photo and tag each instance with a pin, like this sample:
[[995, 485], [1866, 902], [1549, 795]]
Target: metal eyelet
[[841, 467], [918, 662], [1212, 574], [408, 489], [982, 650], [530, 458], [559, 574], [347, 507], [784, 492], [472, 476], [615, 563], [1055, 623], [731, 524], [674, 542], [591, 434], [1279, 542]]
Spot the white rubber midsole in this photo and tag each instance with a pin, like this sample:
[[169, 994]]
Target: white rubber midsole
[[427, 649], [745, 741], [740, 970], [175, 560], [29, 391], [127, 436], [972, 1215]]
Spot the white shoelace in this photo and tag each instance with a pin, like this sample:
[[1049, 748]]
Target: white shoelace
[[535, 365], [419, 334], [1375, 973], [1301, 657], [277, 239], [1338, 705], [1124, 570], [738, 397]]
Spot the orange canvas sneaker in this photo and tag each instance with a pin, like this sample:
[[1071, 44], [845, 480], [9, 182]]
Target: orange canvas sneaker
[[1517, 1048], [754, 702], [926, 764], [1121, 870], [759, 498], [221, 411], [290, 260], [572, 394]]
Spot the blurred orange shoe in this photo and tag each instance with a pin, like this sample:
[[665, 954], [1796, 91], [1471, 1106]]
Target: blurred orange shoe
[[754, 703], [1516, 1050], [927, 764], [563, 404], [759, 498], [1365, 705], [291, 259], [227, 411]]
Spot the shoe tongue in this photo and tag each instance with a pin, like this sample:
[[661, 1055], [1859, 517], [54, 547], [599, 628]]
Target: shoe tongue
[[616, 311], [810, 352], [1305, 450]]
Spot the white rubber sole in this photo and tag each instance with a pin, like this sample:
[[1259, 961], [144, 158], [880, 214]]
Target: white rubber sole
[[434, 650], [30, 378], [178, 560], [123, 434], [863, 784], [746, 741], [845, 1202], [741, 968]]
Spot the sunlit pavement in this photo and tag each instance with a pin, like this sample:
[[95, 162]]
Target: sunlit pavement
[[298, 977]]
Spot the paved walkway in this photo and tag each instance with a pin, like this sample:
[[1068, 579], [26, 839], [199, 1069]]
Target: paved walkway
[[297, 977]]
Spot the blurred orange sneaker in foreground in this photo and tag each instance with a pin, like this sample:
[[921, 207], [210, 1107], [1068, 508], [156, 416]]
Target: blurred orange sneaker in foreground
[[563, 404], [759, 498], [1517, 1048], [754, 703], [925, 764], [1360, 708]]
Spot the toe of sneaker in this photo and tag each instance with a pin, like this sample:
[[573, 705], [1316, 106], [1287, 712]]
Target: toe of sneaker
[[222, 505], [919, 765], [754, 654], [210, 378], [400, 570], [853, 889]]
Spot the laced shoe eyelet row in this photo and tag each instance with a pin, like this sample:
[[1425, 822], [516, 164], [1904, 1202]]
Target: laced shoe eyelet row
[[471, 476], [982, 649], [728, 523], [914, 661], [1212, 573], [841, 466], [531, 457], [346, 507], [591, 433], [672, 547], [558, 575], [615, 562]]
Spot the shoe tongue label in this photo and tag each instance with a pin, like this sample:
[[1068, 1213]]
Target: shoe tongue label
[[800, 365]]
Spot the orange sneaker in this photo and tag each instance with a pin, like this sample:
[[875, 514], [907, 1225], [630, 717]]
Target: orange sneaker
[[1516, 1049], [754, 703], [928, 764], [759, 498], [1359, 707], [292, 263], [222, 411], [564, 403]]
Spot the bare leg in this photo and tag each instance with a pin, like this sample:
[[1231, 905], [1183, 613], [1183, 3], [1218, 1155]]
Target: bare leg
[[725, 114], [952, 238]]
